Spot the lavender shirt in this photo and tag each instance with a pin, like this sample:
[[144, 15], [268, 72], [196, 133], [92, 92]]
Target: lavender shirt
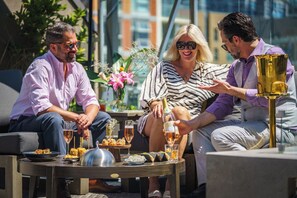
[[224, 103], [44, 85]]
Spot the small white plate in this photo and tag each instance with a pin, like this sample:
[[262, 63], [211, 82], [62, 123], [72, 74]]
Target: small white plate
[[135, 163]]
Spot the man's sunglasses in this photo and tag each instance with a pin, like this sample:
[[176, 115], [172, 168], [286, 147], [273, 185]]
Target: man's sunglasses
[[224, 46], [70, 46], [190, 45]]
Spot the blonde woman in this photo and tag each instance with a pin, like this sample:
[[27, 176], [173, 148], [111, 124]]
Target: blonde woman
[[177, 78]]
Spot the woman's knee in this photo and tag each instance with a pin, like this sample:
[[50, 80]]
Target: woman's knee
[[181, 112]]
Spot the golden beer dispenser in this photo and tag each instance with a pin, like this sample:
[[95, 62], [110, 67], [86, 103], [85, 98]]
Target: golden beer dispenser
[[271, 73]]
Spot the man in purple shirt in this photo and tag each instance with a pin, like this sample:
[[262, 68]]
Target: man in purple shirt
[[49, 85], [210, 131]]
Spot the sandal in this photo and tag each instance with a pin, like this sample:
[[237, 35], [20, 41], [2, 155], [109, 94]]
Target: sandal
[[166, 194], [155, 193]]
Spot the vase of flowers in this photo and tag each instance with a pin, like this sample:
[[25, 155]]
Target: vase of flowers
[[118, 82], [122, 72]]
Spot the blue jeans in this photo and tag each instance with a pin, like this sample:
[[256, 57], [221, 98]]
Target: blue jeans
[[52, 125]]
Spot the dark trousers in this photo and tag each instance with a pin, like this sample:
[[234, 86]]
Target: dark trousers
[[52, 125]]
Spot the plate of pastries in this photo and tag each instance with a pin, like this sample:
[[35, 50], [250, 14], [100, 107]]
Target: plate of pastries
[[41, 155], [75, 154], [113, 143]]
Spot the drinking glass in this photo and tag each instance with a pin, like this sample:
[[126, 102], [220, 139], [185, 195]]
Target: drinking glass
[[129, 132], [110, 125], [171, 132], [68, 135], [174, 153]]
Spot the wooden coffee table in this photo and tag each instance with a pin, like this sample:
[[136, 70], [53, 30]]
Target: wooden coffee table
[[53, 170]]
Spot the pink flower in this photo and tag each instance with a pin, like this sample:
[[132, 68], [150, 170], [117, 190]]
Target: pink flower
[[127, 77], [117, 81]]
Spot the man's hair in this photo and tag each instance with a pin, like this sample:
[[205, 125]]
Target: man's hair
[[238, 24], [54, 34]]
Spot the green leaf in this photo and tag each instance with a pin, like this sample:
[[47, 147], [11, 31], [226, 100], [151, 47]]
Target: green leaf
[[116, 57], [93, 76]]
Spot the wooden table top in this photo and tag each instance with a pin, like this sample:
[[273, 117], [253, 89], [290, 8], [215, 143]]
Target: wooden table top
[[116, 170], [126, 113]]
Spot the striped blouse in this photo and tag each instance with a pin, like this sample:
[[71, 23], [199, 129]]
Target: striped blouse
[[164, 81]]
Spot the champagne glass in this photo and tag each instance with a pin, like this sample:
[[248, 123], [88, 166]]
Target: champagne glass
[[129, 132], [68, 135], [171, 133]]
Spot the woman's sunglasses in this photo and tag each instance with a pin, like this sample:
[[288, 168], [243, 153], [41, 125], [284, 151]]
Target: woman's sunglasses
[[181, 45]]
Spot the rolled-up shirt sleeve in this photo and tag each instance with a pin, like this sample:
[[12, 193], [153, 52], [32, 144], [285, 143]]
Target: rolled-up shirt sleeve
[[251, 97], [223, 105]]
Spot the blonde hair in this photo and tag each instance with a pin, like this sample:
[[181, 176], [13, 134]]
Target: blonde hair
[[204, 54]]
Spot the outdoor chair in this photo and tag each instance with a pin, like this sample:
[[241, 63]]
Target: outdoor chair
[[13, 144]]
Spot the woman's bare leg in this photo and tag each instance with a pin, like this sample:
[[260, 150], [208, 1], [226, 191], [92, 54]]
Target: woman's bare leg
[[180, 113], [154, 130]]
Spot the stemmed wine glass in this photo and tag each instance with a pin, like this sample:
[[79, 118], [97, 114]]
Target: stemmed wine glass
[[129, 132], [68, 135]]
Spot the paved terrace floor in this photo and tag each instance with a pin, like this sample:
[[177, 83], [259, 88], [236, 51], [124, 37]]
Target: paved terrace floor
[[41, 191]]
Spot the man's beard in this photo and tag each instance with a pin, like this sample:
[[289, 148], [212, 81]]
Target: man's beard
[[70, 59], [236, 56]]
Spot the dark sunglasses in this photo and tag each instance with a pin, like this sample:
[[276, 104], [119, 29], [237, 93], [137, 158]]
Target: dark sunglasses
[[190, 45], [70, 46], [224, 46]]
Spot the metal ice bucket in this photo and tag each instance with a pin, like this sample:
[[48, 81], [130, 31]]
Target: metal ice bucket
[[97, 157], [271, 71]]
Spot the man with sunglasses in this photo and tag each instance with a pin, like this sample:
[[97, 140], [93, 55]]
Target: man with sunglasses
[[49, 85], [211, 132]]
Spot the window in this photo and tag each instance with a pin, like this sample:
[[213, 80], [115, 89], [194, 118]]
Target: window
[[140, 6], [141, 33]]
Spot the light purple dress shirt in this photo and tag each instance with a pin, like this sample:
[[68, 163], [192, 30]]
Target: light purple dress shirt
[[224, 103], [44, 85]]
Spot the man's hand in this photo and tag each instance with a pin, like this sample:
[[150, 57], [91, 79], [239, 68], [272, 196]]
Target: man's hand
[[183, 126], [83, 121], [219, 87], [84, 133]]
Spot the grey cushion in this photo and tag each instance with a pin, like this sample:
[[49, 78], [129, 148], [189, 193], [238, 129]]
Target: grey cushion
[[17, 142], [10, 85], [8, 97]]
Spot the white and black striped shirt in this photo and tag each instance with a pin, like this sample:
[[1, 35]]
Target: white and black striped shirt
[[164, 81]]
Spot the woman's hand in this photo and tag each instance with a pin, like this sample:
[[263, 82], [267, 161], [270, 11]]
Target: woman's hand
[[157, 109]]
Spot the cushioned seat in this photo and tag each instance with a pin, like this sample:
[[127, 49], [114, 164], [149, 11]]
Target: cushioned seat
[[12, 144], [17, 142]]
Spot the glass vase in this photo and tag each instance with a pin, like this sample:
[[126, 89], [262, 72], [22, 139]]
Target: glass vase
[[117, 105]]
